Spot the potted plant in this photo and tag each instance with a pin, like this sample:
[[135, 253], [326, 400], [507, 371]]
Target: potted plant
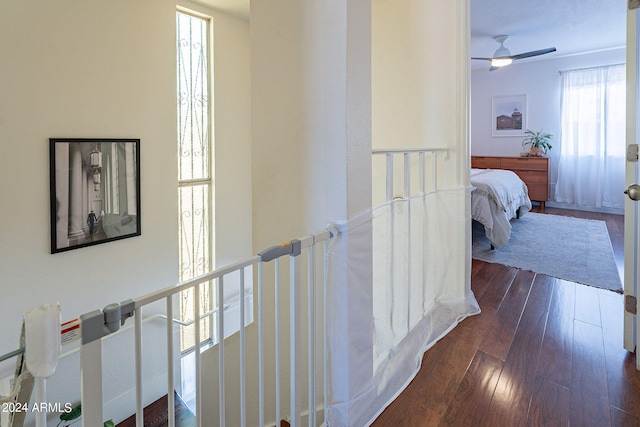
[[538, 142]]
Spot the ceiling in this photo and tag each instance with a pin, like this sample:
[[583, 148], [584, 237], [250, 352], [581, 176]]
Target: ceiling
[[571, 26]]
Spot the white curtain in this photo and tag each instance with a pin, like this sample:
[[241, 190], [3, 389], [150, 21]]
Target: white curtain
[[592, 144]]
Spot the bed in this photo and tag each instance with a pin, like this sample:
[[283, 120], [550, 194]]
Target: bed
[[497, 196]]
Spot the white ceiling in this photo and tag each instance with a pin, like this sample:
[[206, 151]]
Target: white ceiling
[[233, 7], [571, 26]]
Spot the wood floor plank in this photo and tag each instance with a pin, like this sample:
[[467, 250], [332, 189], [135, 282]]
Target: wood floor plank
[[555, 355], [476, 267], [498, 337], [622, 375], [426, 399], [623, 419], [473, 396], [489, 299], [485, 277], [589, 389], [588, 305], [492, 297], [549, 405], [510, 403]]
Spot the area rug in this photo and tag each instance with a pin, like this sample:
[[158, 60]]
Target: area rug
[[573, 249]]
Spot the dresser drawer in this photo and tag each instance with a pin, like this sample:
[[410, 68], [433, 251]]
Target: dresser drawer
[[532, 177], [485, 162], [524, 163], [538, 193]]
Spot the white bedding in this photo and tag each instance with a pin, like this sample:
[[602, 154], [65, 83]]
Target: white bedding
[[495, 198]]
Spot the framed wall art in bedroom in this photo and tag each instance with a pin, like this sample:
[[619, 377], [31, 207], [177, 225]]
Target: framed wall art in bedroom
[[95, 191], [508, 115]]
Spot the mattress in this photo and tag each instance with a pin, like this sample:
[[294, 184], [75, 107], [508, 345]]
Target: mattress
[[497, 196]]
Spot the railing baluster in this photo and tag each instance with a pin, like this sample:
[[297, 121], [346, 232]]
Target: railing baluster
[[221, 373], [261, 343], [294, 341], [170, 385], [91, 379], [421, 172], [196, 316], [389, 177], [407, 175], [243, 403], [325, 355], [311, 319], [277, 337], [138, 345], [434, 165]]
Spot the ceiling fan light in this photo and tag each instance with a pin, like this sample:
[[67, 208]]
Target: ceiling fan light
[[501, 62]]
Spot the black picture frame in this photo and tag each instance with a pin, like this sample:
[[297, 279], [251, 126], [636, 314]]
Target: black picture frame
[[95, 191]]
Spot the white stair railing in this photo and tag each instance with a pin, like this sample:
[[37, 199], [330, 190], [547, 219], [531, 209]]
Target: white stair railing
[[99, 324], [415, 169], [426, 177]]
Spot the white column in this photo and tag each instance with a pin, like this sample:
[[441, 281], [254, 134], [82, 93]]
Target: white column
[[131, 178], [76, 216], [311, 123], [86, 204], [62, 194]]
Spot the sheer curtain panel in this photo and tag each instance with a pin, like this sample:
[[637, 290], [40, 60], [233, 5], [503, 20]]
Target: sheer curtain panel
[[592, 144]]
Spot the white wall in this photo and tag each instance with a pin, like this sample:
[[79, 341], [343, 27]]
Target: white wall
[[106, 69], [232, 109], [541, 82], [302, 118], [419, 96]]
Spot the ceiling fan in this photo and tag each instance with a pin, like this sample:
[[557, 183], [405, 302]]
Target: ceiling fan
[[502, 57]]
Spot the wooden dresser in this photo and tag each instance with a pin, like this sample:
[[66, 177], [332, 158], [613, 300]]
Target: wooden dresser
[[534, 171]]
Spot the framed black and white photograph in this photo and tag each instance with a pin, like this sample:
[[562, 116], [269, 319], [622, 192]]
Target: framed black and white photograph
[[95, 191], [509, 115]]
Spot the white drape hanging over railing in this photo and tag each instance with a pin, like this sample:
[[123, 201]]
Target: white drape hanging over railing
[[394, 286], [413, 300], [592, 142]]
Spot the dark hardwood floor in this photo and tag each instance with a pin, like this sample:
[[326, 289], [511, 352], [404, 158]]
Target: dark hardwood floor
[[543, 352]]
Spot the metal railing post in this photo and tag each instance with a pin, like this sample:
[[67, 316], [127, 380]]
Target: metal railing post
[[295, 344], [389, 177], [221, 372], [170, 383], [407, 175], [138, 345]]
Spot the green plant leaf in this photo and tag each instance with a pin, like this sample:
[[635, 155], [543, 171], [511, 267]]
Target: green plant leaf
[[71, 415], [109, 424]]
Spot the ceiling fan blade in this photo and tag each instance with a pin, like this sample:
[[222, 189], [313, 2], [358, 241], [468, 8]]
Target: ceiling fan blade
[[533, 53], [484, 59]]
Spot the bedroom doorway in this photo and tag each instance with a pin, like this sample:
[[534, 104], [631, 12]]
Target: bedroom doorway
[[632, 216]]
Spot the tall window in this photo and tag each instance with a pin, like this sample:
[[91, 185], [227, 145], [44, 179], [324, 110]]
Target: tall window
[[194, 167], [592, 148]]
